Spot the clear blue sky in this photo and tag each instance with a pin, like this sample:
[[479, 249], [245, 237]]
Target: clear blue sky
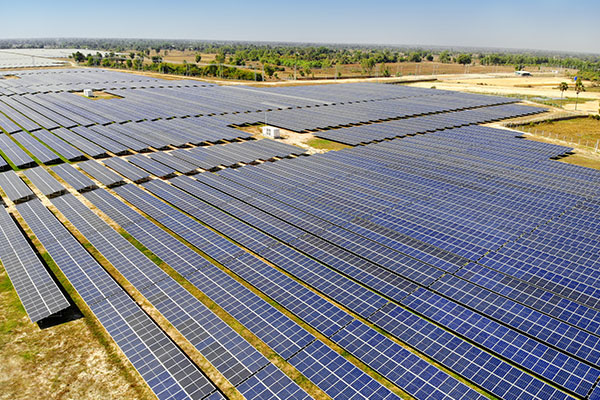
[[537, 24]]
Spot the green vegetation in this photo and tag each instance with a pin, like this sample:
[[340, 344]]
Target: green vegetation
[[324, 144], [548, 101], [302, 57], [464, 59], [113, 60], [564, 86], [579, 87], [13, 313]]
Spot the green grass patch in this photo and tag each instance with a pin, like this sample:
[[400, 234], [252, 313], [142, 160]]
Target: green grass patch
[[11, 308], [324, 144], [550, 101]]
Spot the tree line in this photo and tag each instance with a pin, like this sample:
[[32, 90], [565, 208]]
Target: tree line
[[305, 58]]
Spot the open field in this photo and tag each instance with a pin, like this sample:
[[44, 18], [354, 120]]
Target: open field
[[580, 133], [545, 86]]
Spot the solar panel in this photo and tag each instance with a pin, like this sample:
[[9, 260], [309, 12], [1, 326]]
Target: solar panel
[[61, 147], [231, 355], [126, 169], [74, 177], [101, 173], [469, 251], [14, 188], [45, 182], [154, 167], [357, 382], [172, 162], [41, 152], [80, 142], [38, 292], [164, 367], [15, 153]]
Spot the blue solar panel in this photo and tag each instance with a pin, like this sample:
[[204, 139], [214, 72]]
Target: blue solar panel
[[168, 372]]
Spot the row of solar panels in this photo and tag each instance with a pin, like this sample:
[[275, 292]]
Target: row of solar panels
[[560, 368], [99, 140], [411, 126], [34, 81], [53, 110], [393, 233], [238, 361], [249, 275], [329, 116], [139, 168]]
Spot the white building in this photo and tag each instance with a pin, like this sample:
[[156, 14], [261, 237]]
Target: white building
[[271, 132]]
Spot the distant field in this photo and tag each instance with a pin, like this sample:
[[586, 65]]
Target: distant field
[[347, 70]]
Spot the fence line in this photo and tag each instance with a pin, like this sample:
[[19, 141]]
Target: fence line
[[590, 143]]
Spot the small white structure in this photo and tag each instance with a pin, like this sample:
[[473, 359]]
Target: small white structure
[[523, 73], [271, 132], [88, 92]]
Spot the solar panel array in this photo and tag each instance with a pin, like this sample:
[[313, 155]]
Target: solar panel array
[[415, 125], [13, 186], [393, 268], [168, 372], [44, 182], [38, 292], [14, 153]]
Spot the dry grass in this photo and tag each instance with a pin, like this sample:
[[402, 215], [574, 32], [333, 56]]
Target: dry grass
[[581, 134], [66, 361], [583, 160], [570, 130]]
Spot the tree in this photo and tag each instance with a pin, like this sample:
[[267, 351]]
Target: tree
[[445, 56], [429, 57], [308, 71], [578, 89], [269, 70], [129, 64], [198, 58], [367, 65], [563, 87], [78, 56], [385, 71], [464, 59], [132, 55], [414, 57]]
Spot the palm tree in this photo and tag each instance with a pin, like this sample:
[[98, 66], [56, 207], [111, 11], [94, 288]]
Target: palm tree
[[563, 87], [578, 89]]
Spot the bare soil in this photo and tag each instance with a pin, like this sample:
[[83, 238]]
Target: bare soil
[[542, 84]]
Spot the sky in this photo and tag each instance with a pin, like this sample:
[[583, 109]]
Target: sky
[[525, 24]]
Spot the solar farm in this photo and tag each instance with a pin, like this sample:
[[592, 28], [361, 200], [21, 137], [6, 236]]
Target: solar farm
[[432, 258]]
